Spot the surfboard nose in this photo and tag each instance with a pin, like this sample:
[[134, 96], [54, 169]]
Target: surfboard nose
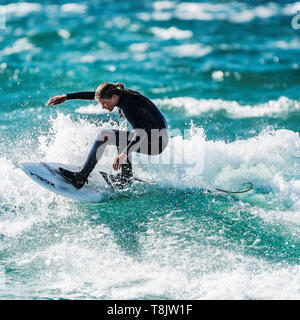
[[25, 166], [46, 174]]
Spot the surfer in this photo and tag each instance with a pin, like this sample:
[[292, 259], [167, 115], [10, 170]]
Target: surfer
[[149, 135]]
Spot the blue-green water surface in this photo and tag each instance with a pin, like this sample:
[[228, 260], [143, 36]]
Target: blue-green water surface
[[225, 73]]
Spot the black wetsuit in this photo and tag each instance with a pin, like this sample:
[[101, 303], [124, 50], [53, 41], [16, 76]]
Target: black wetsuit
[[138, 110], [141, 113]]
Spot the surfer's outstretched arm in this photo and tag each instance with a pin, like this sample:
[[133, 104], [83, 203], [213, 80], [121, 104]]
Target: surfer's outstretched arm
[[84, 95]]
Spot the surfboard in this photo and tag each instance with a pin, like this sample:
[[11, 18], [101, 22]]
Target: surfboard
[[47, 175]]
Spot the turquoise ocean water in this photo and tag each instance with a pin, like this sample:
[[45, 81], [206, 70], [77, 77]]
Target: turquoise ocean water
[[226, 73]]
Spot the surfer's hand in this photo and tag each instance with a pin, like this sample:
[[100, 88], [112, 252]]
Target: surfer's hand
[[120, 159], [57, 100]]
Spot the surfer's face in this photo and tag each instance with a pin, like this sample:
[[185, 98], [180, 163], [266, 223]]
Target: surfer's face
[[109, 104]]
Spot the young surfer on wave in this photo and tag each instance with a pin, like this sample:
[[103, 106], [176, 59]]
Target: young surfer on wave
[[148, 137]]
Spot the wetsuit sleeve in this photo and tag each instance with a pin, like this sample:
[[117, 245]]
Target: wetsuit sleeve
[[85, 95]]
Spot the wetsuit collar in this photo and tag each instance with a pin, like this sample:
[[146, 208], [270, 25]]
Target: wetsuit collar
[[121, 100]]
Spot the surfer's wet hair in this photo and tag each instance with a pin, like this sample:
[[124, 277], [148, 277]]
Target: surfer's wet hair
[[107, 89]]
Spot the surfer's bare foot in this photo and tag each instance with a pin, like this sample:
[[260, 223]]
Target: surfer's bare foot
[[75, 178]]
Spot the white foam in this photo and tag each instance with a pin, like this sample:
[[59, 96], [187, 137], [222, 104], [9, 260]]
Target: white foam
[[139, 47], [236, 12], [22, 9], [200, 11], [161, 16], [218, 75], [291, 8], [269, 160], [88, 58], [161, 5], [294, 43], [274, 108], [20, 45], [171, 33], [167, 266], [74, 8], [64, 33], [78, 136], [194, 50], [91, 109], [22, 202]]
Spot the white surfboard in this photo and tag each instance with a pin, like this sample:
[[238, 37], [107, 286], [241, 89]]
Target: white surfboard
[[47, 175]]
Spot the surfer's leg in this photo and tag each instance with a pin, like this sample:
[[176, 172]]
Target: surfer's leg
[[96, 152], [126, 168], [119, 138], [78, 179], [156, 142], [126, 171]]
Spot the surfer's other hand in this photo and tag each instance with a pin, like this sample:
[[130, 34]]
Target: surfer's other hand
[[57, 100], [120, 159]]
